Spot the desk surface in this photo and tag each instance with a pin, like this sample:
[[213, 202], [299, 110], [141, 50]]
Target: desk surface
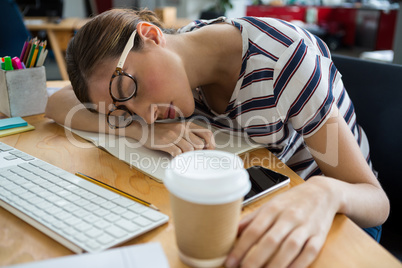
[[346, 246]]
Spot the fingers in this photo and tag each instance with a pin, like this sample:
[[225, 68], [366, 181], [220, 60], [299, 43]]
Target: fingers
[[290, 248], [282, 246], [200, 137], [177, 138], [309, 253], [245, 221], [195, 141], [173, 150], [180, 138], [203, 134], [269, 244], [251, 235], [189, 142]]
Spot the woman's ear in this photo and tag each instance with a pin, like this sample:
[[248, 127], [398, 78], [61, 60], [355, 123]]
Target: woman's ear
[[151, 32]]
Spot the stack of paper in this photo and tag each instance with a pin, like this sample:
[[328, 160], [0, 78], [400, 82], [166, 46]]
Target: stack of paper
[[137, 256], [152, 162], [13, 125]]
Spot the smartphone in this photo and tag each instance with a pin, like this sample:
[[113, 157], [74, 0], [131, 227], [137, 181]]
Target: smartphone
[[263, 181]]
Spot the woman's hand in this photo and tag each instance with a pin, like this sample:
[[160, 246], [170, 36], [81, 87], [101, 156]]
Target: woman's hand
[[176, 138], [287, 231]]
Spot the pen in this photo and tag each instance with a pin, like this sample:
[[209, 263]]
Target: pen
[[42, 58], [88, 178], [35, 54], [39, 54], [8, 65], [27, 51], [24, 48], [31, 54], [16, 63]]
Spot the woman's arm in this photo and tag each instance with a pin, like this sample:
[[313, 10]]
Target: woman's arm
[[361, 196], [64, 108], [290, 229], [174, 138]]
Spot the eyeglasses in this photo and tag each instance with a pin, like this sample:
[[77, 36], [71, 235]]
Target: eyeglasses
[[122, 87]]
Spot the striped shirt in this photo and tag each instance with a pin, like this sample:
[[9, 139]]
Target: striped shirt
[[285, 92]]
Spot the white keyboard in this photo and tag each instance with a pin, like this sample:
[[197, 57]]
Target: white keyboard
[[77, 213]]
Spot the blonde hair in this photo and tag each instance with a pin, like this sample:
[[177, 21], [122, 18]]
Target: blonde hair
[[103, 37]]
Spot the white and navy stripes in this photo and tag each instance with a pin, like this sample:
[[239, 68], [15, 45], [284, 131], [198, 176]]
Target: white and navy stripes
[[286, 89]]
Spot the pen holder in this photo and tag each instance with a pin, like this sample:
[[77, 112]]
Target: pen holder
[[23, 92]]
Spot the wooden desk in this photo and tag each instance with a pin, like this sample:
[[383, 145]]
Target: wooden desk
[[346, 246], [59, 35]]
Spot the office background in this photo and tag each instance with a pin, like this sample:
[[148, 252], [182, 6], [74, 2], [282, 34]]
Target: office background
[[370, 41]]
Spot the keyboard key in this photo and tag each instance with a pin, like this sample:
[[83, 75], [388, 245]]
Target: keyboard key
[[63, 215], [73, 221], [91, 218], [61, 202], [70, 231], [124, 202], [81, 213], [59, 224], [4, 147], [6, 194], [27, 158], [137, 208], [102, 224], [93, 245], [142, 221], [105, 239], [94, 232], [101, 212], [82, 227], [152, 215], [127, 225], [50, 219], [70, 207], [19, 191], [109, 205], [119, 210], [52, 210], [10, 157], [115, 231], [40, 213], [98, 200], [130, 215], [92, 207], [72, 197], [90, 196], [81, 237], [81, 202]]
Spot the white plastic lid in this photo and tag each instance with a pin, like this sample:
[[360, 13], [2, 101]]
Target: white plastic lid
[[207, 177]]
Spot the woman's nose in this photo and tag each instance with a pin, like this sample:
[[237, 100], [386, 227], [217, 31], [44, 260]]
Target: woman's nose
[[152, 115], [148, 114]]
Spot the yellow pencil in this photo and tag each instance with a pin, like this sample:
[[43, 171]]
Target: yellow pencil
[[33, 60], [31, 53], [111, 188]]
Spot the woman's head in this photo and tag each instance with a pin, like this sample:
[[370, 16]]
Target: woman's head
[[101, 39], [159, 72]]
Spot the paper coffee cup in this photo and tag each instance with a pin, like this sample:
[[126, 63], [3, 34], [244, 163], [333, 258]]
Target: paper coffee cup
[[206, 190]]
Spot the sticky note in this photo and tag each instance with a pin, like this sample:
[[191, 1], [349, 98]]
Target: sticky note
[[16, 130], [12, 123]]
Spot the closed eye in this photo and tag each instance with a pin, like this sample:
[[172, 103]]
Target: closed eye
[[119, 86]]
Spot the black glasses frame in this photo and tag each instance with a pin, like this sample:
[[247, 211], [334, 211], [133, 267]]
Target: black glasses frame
[[119, 71]]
